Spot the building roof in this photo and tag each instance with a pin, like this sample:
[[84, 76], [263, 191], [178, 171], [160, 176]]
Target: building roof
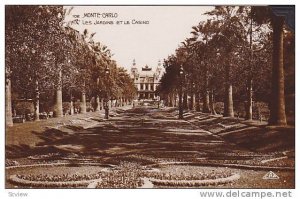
[[146, 68], [145, 71], [149, 73]]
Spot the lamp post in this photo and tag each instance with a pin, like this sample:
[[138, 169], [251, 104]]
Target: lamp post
[[106, 106], [181, 73]]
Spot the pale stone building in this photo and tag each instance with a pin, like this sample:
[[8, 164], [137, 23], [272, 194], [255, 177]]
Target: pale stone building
[[146, 80]]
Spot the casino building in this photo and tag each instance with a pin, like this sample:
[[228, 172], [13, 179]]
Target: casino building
[[146, 80]]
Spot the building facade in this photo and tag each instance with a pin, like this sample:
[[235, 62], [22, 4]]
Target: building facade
[[146, 80]]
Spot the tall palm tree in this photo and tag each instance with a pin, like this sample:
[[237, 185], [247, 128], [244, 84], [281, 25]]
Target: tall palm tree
[[277, 103]]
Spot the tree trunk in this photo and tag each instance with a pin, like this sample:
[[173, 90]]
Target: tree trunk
[[71, 103], [167, 100], [174, 99], [212, 102], [59, 109], [197, 103], [37, 102], [117, 102], [228, 101], [205, 92], [72, 108], [8, 108], [83, 102], [185, 101], [206, 102], [101, 104], [170, 100], [250, 81], [250, 100], [192, 104], [58, 106], [180, 103], [277, 108], [98, 103]]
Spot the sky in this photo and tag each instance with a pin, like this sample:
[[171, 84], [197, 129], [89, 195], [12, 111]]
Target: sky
[[166, 27]]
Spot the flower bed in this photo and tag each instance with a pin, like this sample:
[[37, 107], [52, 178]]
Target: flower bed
[[195, 183], [126, 175], [82, 183], [56, 175], [57, 178], [120, 179], [187, 176], [174, 175], [9, 163]]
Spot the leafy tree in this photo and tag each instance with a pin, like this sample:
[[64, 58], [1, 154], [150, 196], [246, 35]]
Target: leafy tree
[[230, 37], [43, 55], [30, 48], [232, 48], [277, 104]]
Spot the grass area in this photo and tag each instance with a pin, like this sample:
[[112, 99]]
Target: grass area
[[254, 136], [25, 133]]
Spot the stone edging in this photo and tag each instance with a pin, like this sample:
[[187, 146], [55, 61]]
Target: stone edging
[[274, 159], [147, 184], [253, 167], [238, 166], [59, 164]]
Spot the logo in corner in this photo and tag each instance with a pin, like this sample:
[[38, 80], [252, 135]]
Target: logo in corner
[[271, 176]]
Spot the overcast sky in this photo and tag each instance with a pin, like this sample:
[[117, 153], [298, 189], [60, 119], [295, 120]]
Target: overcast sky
[[146, 43]]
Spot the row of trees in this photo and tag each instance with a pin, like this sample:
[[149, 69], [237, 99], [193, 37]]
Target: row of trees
[[234, 56], [49, 62]]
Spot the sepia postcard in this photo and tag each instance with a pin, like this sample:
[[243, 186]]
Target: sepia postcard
[[150, 96]]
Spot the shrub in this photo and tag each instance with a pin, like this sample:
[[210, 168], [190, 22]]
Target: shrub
[[24, 107]]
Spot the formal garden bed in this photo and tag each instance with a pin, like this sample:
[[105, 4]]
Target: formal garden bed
[[138, 171], [55, 174], [124, 175], [181, 183], [55, 181], [180, 176]]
